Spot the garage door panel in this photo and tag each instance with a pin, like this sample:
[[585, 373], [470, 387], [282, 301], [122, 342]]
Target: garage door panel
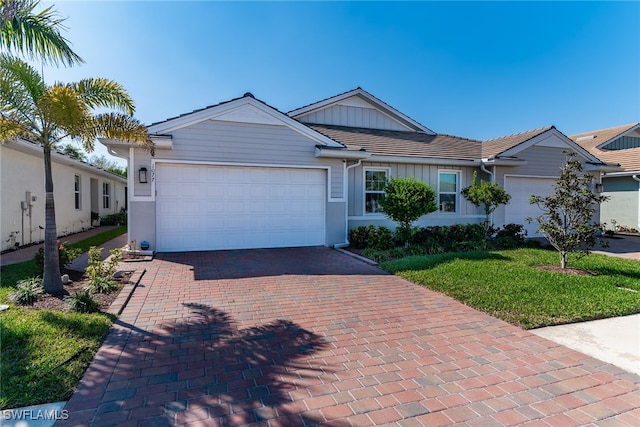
[[214, 207], [519, 208]]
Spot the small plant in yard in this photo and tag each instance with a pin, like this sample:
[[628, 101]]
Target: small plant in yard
[[567, 216], [510, 236], [405, 200], [27, 291], [101, 285], [488, 194], [102, 269], [82, 302], [66, 255]]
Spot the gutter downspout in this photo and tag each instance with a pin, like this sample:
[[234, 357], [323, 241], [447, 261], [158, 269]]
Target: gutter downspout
[[492, 179], [636, 177], [346, 204]]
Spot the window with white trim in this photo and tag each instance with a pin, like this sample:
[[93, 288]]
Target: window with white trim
[[374, 182], [448, 191], [76, 192], [106, 195]]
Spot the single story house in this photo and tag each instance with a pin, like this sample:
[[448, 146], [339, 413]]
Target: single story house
[[79, 189], [620, 144], [241, 174]]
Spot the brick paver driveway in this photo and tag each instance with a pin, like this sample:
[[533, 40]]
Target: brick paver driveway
[[311, 336]]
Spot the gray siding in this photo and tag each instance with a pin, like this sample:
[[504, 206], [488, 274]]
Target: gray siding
[[142, 222], [228, 142], [541, 162], [622, 206], [342, 115], [467, 213], [623, 143]]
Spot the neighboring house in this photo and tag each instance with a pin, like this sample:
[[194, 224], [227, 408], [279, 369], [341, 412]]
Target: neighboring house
[[620, 144], [241, 174], [79, 189]]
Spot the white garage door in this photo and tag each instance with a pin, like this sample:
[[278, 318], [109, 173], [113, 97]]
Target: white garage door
[[521, 189], [215, 207]]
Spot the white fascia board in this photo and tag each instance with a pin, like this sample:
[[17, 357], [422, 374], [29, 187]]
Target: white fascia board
[[620, 174], [36, 150], [546, 134], [602, 167], [221, 110], [502, 162], [383, 107], [422, 160], [342, 154]]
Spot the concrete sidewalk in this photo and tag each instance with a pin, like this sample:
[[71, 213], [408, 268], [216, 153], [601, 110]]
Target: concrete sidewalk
[[26, 254]]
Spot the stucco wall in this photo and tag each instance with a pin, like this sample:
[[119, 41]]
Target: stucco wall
[[22, 172]]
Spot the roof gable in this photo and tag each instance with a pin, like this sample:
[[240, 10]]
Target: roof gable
[[613, 145], [362, 100], [246, 109], [511, 145]]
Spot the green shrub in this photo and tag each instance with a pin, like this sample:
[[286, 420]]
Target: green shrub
[[510, 236], [372, 237], [102, 269], [27, 291], [115, 219], [359, 237], [66, 255], [82, 302], [375, 255], [101, 285]]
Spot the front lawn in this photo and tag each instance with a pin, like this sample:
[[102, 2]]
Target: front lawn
[[44, 353], [507, 284]]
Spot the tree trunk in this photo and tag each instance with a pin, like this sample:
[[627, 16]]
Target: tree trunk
[[563, 259], [51, 280]]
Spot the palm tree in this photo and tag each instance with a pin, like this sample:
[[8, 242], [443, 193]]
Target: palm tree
[[43, 114], [36, 35]]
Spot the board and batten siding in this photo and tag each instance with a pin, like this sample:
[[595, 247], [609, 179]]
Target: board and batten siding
[[623, 143], [467, 213], [344, 115]]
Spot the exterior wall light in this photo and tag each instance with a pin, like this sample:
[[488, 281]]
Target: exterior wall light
[[599, 188], [142, 175]]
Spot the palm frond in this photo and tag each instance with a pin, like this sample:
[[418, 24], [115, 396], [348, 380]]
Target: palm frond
[[116, 126], [35, 34], [11, 129], [62, 107], [18, 72], [98, 92]]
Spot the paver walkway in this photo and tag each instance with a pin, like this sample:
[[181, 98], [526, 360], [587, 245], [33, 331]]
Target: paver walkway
[[311, 336]]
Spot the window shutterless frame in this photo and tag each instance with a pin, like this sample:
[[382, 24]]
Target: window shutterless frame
[[374, 181], [76, 192], [448, 191]]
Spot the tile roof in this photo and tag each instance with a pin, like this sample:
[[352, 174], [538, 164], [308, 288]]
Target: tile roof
[[493, 147], [399, 143], [628, 158]]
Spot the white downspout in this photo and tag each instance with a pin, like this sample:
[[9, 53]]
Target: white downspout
[[346, 204], [492, 179], [636, 177]]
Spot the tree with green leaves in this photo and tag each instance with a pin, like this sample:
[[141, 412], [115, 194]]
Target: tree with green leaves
[[567, 215], [73, 152], [405, 200], [488, 194], [36, 35], [47, 114], [104, 163]]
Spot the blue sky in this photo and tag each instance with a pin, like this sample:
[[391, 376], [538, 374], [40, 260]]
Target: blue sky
[[472, 69]]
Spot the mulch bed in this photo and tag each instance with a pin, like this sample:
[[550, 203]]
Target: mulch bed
[[79, 281], [568, 270]]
